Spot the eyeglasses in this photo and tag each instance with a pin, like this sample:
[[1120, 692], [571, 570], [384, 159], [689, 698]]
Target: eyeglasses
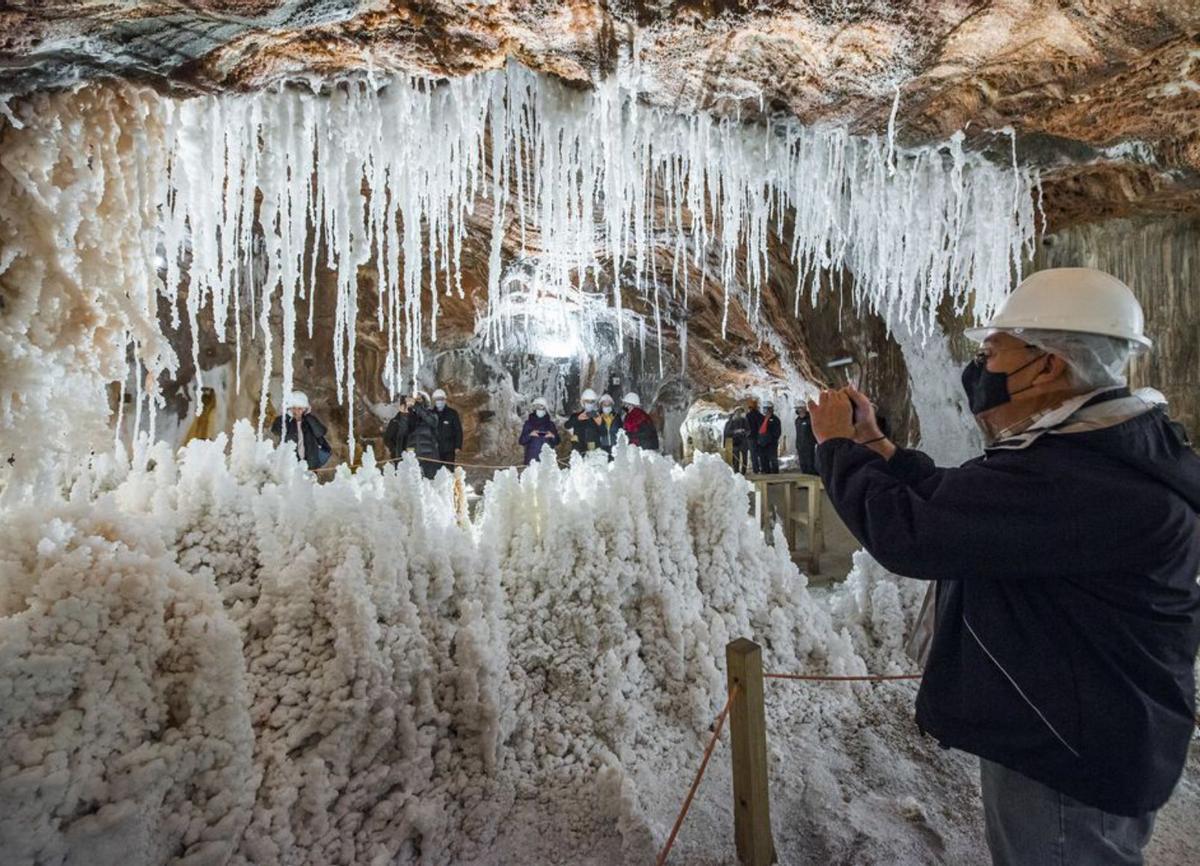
[[984, 355]]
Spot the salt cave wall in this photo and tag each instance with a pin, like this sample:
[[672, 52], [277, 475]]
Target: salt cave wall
[[80, 176], [1159, 258]]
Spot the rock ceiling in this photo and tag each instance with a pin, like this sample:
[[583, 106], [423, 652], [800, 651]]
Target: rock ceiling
[[1105, 94]]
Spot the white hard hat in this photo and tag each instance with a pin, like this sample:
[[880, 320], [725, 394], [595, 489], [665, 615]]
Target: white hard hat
[[1082, 300], [296, 400], [439, 394], [631, 399], [588, 394], [540, 402], [606, 398]]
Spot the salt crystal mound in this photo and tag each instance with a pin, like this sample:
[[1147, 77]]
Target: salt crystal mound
[[358, 672], [388, 170]]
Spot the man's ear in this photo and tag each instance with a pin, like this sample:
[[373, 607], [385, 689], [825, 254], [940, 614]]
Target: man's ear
[[1052, 369]]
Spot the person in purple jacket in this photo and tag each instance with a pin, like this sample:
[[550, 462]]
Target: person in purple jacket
[[539, 430]]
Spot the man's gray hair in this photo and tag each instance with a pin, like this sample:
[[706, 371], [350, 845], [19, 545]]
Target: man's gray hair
[[1095, 360]]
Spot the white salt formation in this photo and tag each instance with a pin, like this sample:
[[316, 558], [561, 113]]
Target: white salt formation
[[217, 661]]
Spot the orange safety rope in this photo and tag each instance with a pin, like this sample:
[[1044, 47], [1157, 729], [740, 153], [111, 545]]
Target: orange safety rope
[[687, 803]]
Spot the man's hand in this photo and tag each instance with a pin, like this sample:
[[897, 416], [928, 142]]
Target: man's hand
[[831, 416], [866, 425]]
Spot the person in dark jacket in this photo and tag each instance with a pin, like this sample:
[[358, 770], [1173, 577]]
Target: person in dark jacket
[[422, 438], [1066, 606], [304, 429], [737, 434], [584, 425], [395, 437], [449, 430], [754, 419], [639, 426], [806, 443], [611, 422], [538, 432], [766, 440]]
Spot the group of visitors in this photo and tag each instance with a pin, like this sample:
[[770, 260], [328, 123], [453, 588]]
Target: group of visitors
[[595, 426], [754, 436], [432, 430]]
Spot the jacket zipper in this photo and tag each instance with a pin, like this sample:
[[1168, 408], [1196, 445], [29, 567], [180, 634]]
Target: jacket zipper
[[1024, 696]]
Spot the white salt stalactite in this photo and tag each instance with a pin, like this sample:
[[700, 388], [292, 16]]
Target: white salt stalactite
[[391, 169]]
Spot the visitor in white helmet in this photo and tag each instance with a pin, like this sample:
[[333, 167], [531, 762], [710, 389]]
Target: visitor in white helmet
[[449, 430], [299, 425], [639, 426], [539, 431], [584, 425], [1066, 612], [765, 438], [611, 423]]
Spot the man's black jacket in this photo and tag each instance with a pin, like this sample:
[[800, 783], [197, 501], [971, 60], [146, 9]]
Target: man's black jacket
[[1068, 610]]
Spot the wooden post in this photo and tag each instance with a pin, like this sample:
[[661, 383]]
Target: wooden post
[[748, 736]]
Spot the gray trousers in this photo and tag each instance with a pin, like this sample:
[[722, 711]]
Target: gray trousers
[[1029, 824]]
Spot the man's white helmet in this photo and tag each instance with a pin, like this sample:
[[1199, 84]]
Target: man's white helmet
[[439, 394], [540, 403], [1081, 300], [631, 399], [296, 400], [606, 400], [588, 394]]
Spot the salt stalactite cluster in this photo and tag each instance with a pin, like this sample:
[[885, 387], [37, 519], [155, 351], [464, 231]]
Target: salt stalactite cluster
[[590, 185], [80, 184], [214, 661]]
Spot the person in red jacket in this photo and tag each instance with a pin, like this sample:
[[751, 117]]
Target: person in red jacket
[[639, 426]]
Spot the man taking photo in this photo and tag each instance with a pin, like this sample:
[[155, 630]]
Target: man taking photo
[[1067, 610]]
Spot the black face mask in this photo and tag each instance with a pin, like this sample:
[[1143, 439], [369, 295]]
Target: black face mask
[[987, 390]]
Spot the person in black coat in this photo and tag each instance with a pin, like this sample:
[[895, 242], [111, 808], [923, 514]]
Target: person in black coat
[[754, 419], [584, 425], [766, 437], [737, 434], [1066, 607], [422, 435], [304, 429], [396, 434], [806, 443], [449, 430]]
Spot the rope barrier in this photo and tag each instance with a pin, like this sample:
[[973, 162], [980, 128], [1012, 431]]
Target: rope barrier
[[687, 803], [839, 679]]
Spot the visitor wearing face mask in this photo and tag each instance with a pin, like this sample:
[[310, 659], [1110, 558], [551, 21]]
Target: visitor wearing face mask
[[638, 425], [304, 429], [766, 440], [449, 430], [1066, 611], [538, 432], [610, 421], [584, 425]]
